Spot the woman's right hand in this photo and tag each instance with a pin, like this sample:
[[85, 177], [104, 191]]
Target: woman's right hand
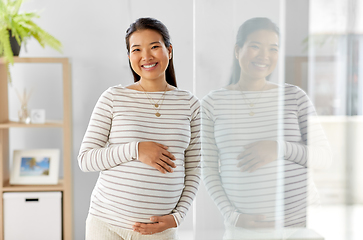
[[156, 155]]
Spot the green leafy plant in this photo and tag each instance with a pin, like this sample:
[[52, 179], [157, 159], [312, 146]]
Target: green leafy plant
[[22, 27]]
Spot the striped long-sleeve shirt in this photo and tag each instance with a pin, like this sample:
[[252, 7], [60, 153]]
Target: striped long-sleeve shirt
[[280, 190], [127, 190]]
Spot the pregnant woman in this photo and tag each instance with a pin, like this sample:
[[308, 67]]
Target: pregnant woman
[[258, 142], [144, 141]]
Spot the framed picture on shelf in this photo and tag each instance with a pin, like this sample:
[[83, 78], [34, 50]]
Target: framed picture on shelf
[[35, 167]]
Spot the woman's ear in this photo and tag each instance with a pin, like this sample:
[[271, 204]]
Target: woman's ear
[[170, 49], [236, 51]]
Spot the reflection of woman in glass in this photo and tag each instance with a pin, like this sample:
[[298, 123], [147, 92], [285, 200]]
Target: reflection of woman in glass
[[144, 141], [255, 137]]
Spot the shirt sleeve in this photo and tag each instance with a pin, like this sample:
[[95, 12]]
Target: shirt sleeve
[[210, 165], [314, 150], [95, 154], [192, 164]]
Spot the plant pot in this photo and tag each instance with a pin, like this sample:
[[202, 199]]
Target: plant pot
[[15, 47]]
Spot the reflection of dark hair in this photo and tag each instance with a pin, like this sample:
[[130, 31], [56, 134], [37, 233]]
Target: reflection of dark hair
[[156, 25], [248, 27]]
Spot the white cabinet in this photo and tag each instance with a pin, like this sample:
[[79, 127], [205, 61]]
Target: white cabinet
[[35, 214]]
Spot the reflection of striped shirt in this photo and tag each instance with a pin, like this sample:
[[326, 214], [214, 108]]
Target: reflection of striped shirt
[[127, 190], [227, 127]]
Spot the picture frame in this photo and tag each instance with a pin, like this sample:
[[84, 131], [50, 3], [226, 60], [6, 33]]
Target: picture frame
[[35, 167]]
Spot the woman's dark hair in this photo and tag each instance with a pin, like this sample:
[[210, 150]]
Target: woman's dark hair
[[248, 27], [156, 25]]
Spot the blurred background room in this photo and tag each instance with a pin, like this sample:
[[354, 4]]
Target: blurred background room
[[321, 51]]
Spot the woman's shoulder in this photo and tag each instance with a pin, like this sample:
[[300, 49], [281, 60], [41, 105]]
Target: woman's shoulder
[[294, 89], [184, 97], [118, 92], [183, 94], [118, 88], [220, 93], [113, 89], [288, 88]]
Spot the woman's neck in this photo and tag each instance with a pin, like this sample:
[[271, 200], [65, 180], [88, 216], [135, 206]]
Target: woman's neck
[[153, 85], [251, 85]]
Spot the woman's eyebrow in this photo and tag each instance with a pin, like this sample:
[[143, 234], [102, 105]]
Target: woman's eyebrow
[[273, 44], [137, 45], [155, 42]]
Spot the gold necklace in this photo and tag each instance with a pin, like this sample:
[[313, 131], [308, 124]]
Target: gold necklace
[[155, 105], [250, 103]]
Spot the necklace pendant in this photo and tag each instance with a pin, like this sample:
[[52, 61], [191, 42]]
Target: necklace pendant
[[251, 113], [252, 104], [156, 105], [157, 114]]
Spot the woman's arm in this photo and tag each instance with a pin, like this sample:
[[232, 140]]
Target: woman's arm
[[314, 150], [192, 164], [95, 154], [210, 165]]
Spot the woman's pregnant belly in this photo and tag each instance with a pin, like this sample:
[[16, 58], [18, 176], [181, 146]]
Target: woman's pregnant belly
[[133, 192], [276, 188]]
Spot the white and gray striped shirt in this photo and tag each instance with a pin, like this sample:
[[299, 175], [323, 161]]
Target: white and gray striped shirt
[[127, 190], [280, 190]]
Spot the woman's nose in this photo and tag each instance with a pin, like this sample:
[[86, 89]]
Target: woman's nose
[[147, 55], [263, 53]]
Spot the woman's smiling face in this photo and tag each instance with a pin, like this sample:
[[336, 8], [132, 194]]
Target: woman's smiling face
[[149, 57], [259, 54]]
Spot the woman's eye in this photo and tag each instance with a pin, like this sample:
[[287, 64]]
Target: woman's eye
[[135, 50], [274, 49], [254, 46], [153, 47]]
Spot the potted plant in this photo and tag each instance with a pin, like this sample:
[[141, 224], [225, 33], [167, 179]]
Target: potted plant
[[18, 28]]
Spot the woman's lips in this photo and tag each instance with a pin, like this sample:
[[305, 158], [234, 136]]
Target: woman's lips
[[149, 66], [261, 66]]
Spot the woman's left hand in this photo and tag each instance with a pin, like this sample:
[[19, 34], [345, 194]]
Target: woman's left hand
[[257, 155], [160, 223]]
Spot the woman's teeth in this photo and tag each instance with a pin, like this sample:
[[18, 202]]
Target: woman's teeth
[[149, 66], [260, 65]]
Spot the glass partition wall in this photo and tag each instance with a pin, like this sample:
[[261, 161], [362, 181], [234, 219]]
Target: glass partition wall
[[280, 158]]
